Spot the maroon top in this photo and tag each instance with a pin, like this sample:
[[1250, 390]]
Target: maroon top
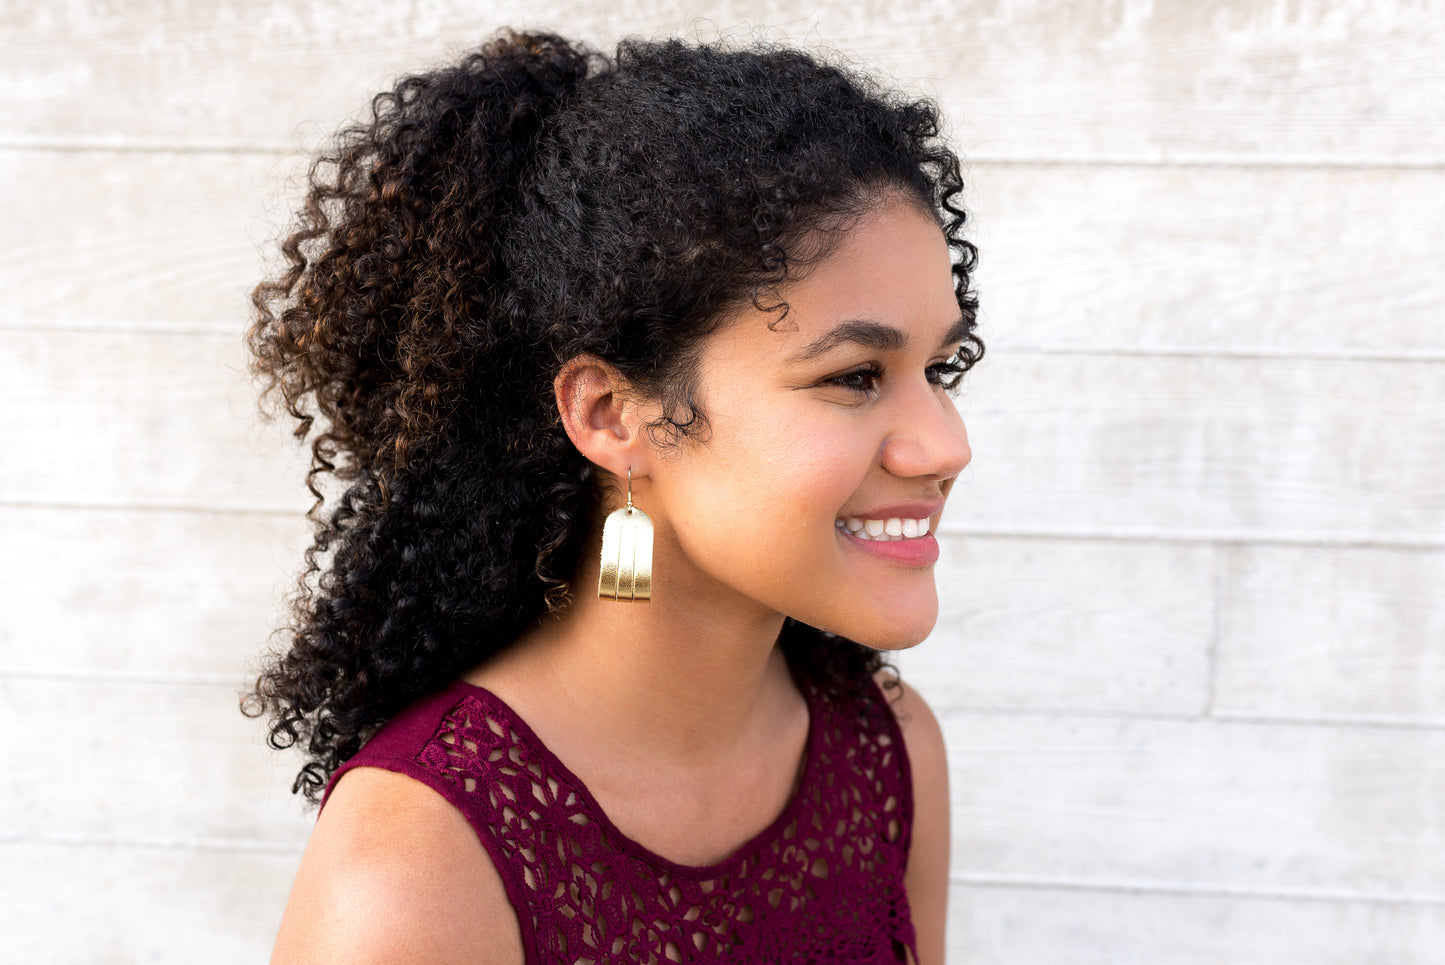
[[822, 884]]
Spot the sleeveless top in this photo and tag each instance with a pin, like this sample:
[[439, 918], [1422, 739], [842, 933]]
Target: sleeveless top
[[822, 884]]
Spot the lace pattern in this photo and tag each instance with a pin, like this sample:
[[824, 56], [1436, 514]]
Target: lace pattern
[[824, 883]]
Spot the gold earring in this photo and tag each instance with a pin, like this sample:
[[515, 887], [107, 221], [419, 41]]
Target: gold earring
[[626, 553]]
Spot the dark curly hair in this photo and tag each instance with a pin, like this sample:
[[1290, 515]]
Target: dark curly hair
[[489, 221]]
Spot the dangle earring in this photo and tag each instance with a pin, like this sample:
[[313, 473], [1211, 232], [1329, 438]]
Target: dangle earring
[[626, 553]]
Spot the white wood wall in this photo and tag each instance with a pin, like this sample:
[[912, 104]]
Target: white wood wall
[[1192, 655]]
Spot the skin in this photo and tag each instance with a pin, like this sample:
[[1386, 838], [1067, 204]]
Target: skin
[[680, 714]]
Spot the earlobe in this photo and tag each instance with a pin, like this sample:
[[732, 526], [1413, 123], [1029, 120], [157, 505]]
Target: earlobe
[[598, 412]]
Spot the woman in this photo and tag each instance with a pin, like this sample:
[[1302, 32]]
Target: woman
[[552, 311]]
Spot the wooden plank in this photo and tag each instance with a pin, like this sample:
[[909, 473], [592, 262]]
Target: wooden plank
[[1233, 449], [1001, 925], [1249, 449], [1223, 260], [125, 239], [1349, 80], [82, 905], [139, 419], [1069, 625], [142, 592], [1200, 805], [1155, 804], [171, 764], [1231, 260], [1332, 633]]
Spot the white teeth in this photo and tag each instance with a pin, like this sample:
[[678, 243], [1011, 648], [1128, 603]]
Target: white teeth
[[883, 530]]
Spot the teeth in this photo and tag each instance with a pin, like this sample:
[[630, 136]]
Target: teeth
[[884, 530]]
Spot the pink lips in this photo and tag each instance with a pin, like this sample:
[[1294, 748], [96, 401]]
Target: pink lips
[[920, 551]]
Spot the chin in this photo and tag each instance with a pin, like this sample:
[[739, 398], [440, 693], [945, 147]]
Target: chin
[[896, 641], [886, 634]]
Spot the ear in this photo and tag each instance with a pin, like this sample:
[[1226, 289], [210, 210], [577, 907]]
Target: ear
[[601, 416]]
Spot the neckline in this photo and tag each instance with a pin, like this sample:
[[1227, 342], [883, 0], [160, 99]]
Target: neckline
[[639, 850]]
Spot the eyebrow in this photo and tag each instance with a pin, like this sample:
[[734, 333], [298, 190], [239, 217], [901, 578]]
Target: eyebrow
[[874, 335]]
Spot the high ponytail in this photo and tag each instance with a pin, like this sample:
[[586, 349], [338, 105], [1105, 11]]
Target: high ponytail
[[488, 222]]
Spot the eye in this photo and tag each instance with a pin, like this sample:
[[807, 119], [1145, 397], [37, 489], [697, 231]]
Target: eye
[[947, 374], [863, 380]]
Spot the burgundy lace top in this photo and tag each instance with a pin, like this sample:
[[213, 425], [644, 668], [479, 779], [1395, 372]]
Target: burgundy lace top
[[822, 884]]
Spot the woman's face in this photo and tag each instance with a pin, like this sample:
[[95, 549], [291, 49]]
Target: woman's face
[[832, 445]]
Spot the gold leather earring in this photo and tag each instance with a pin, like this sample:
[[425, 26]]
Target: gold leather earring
[[626, 553]]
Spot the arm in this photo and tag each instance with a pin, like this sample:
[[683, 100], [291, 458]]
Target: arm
[[394, 874], [927, 876]]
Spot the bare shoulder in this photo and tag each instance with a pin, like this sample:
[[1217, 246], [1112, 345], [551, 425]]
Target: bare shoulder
[[928, 856], [393, 873], [922, 734]]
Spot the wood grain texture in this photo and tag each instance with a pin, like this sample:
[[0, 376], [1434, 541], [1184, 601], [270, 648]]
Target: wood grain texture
[[1191, 655], [1310, 633], [1342, 81], [74, 904], [1303, 450], [1302, 810], [125, 592], [1285, 261], [1078, 625], [1264, 449], [140, 240], [1003, 925], [139, 419], [167, 765], [1075, 257]]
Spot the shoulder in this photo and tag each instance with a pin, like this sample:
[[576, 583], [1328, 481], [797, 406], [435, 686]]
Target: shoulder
[[926, 879], [394, 873], [922, 734]]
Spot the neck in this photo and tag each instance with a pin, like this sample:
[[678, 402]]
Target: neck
[[680, 678]]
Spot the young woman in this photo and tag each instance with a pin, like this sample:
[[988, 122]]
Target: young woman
[[633, 376]]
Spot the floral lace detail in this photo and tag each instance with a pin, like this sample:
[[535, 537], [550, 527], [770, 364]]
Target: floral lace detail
[[824, 883]]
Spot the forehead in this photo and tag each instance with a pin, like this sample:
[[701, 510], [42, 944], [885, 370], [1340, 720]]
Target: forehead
[[891, 268]]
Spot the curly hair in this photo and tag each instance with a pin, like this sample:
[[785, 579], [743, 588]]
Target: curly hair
[[486, 223]]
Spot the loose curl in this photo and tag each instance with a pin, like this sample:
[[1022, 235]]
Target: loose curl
[[488, 222]]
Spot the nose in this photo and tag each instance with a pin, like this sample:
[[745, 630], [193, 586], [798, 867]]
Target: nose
[[928, 439]]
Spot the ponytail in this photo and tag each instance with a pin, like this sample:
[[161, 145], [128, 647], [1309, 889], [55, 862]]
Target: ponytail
[[394, 296]]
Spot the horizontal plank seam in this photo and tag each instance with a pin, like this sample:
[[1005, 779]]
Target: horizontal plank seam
[[1408, 356], [977, 156], [229, 681], [241, 678], [1217, 718], [1200, 159], [143, 147], [234, 332], [1421, 543], [145, 843], [296, 512], [1146, 887], [1200, 352]]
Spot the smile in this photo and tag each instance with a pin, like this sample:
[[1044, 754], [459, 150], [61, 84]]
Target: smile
[[884, 530]]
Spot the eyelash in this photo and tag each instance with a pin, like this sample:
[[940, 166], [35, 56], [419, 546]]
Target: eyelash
[[945, 375]]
